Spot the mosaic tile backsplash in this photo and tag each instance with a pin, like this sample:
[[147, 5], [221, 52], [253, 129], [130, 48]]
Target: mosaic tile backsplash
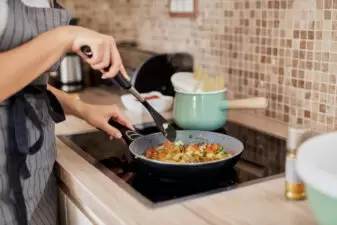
[[284, 50]]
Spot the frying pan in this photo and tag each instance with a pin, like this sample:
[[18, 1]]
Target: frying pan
[[138, 144]]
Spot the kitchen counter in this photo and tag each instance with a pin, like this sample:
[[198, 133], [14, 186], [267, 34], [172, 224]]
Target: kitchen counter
[[104, 201]]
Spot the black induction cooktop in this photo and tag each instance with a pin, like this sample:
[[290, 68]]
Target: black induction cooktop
[[263, 158]]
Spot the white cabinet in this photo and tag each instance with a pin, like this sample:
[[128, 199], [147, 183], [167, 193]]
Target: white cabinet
[[70, 214]]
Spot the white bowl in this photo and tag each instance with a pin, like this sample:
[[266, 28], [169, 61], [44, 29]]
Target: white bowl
[[161, 104], [184, 81], [317, 167]]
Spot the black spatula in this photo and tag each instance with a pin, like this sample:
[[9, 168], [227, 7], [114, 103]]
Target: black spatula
[[163, 125]]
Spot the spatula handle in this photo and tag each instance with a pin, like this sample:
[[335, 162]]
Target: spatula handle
[[128, 134], [118, 78]]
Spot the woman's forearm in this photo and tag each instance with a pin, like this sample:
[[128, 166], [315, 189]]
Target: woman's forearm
[[70, 105], [23, 64]]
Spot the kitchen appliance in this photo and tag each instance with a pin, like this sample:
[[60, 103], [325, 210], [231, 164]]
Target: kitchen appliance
[[262, 159], [71, 74], [155, 73], [208, 110], [139, 144]]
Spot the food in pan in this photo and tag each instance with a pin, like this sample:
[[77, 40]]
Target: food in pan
[[179, 152]]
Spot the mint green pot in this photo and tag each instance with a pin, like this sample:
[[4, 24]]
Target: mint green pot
[[196, 111]]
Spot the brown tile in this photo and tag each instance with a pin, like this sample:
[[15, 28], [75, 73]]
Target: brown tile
[[309, 65], [327, 4], [325, 56], [311, 35], [308, 86], [318, 35], [310, 45], [327, 15], [303, 44], [303, 34], [296, 34], [289, 43], [325, 67]]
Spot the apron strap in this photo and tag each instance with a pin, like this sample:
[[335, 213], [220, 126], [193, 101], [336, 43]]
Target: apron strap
[[20, 110]]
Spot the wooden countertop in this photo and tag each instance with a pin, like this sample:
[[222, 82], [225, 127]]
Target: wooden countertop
[[106, 202]]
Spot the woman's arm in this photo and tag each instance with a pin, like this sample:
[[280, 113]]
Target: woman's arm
[[70, 105], [23, 64], [96, 115]]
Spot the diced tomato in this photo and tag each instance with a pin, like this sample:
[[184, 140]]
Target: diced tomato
[[210, 150], [161, 155], [168, 144], [149, 153], [215, 147], [195, 147]]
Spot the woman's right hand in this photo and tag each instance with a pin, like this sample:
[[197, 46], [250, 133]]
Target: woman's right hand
[[104, 51]]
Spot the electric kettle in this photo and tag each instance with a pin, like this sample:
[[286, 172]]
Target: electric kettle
[[70, 71], [71, 74]]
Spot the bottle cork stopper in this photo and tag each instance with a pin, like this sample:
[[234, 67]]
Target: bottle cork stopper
[[296, 136]]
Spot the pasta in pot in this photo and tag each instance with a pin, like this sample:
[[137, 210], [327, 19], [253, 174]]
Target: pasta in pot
[[179, 152]]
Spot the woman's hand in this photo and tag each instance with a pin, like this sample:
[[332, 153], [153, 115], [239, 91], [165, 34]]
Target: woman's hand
[[99, 115], [103, 47]]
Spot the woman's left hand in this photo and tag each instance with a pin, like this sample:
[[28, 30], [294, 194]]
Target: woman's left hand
[[99, 115]]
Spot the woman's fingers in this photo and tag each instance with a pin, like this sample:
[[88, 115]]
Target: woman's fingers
[[105, 62], [124, 73], [121, 118], [116, 62], [118, 116], [112, 131], [104, 52]]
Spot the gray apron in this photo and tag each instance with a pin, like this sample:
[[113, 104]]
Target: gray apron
[[27, 119]]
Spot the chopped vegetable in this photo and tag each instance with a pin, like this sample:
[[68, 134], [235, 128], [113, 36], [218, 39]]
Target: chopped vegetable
[[220, 149], [182, 153], [178, 143]]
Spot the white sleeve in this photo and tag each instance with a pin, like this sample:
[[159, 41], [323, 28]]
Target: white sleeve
[[3, 15]]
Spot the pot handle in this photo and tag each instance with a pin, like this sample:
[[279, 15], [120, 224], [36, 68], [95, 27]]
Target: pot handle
[[247, 103], [128, 134]]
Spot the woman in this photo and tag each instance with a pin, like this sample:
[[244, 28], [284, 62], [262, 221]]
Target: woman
[[34, 35]]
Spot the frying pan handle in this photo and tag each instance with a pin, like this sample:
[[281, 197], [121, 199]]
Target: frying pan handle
[[128, 135], [118, 78]]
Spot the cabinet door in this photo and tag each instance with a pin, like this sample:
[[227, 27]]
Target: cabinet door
[[70, 214]]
